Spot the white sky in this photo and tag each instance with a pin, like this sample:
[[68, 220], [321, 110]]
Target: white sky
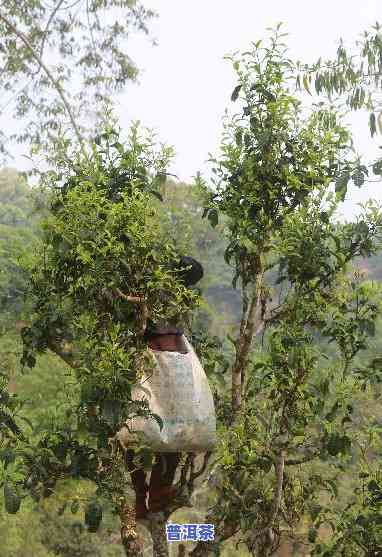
[[185, 84]]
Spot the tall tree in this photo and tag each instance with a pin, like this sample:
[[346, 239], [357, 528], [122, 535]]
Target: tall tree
[[103, 260], [290, 406]]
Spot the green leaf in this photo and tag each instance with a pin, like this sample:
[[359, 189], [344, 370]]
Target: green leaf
[[324, 217], [372, 124], [159, 421], [12, 499], [373, 487], [264, 464], [213, 217], [239, 137], [377, 168], [75, 506], [7, 456], [259, 366], [120, 148], [358, 178], [341, 185], [236, 92], [156, 194], [312, 535], [306, 86], [333, 412], [93, 516], [338, 444]]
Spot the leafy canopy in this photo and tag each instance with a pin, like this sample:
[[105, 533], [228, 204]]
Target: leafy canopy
[[104, 265], [293, 432]]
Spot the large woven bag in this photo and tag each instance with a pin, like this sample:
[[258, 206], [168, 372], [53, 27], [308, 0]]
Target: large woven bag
[[178, 391]]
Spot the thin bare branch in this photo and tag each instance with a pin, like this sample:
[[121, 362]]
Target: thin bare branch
[[45, 32], [128, 298], [202, 469], [253, 322], [54, 81]]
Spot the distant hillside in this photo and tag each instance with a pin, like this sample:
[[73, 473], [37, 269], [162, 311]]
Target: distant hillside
[[372, 266]]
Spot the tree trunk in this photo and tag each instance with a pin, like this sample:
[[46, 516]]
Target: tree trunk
[[158, 533], [132, 543], [223, 532], [249, 325], [263, 541]]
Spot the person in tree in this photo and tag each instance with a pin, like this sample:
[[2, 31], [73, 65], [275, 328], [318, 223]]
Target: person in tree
[[162, 336]]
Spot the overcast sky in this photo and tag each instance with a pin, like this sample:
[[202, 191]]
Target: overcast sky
[[185, 84]]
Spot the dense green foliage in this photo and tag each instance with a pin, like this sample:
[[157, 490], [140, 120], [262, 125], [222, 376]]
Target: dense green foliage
[[50, 407]]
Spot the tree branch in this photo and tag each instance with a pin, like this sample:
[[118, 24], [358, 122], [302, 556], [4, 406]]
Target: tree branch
[[64, 350], [279, 471], [57, 7], [127, 297], [303, 460], [137, 300], [55, 83], [202, 469], [253, 322]]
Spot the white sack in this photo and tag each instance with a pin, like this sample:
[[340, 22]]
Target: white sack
[[179, 392]]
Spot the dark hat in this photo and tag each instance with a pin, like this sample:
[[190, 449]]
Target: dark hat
[[193, 272]]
